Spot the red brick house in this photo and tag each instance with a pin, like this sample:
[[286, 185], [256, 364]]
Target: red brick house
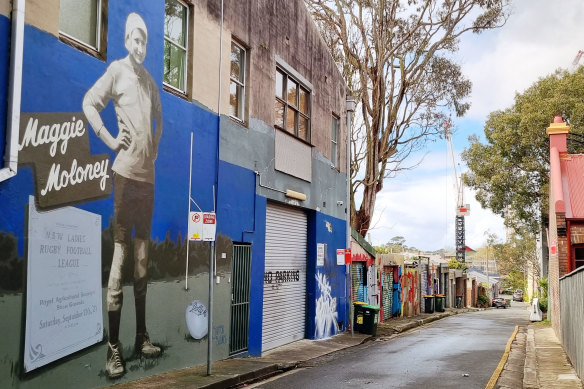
[[566, 213]]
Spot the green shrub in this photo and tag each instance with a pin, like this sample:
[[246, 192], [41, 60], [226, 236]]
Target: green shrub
[[483, 301], [543, 304]]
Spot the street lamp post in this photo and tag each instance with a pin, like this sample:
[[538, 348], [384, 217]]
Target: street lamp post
[[350, 109]]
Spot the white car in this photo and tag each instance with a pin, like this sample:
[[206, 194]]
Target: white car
[[518, 295]]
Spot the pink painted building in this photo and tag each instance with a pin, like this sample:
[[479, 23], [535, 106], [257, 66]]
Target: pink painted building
[[566, 213]]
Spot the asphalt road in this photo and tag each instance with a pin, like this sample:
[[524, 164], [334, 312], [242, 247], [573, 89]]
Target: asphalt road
[[460, 351]]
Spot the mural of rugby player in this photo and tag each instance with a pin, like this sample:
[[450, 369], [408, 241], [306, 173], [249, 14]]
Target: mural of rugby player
[[136, 101]]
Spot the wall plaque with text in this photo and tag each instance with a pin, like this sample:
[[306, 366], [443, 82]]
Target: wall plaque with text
[[63, 293]]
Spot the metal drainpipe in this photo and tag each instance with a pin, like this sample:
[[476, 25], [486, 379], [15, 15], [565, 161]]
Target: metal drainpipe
[[212, 244], [14, 91], [350, 109]]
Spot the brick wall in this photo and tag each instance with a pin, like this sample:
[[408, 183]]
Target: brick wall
[[577, 233]]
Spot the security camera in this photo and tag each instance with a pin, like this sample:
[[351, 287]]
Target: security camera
[[339, 203]]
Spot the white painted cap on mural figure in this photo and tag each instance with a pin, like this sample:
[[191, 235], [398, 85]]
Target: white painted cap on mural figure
[[135, 21]]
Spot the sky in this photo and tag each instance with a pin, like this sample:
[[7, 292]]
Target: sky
[[419, 205]]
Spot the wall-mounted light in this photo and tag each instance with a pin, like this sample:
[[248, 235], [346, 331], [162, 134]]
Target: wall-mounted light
[[295, 195]]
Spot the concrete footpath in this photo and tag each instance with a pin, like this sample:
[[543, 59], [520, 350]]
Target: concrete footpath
[[535, 360]]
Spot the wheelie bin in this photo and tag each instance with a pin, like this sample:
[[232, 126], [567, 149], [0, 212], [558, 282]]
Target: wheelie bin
[[429, 303], [439, 303]]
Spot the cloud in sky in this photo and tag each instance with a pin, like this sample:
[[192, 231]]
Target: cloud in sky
[[420, 206], [540, 37]]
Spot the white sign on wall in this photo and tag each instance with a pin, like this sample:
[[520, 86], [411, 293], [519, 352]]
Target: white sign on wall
[[209, 226], [63, 293], [196, 226], [320, 252], [341, 257]]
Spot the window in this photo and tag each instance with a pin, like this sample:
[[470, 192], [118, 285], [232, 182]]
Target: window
[[237, 83], [176, 22], [578, 256], [335, 142], [292, 106], [82, 23]]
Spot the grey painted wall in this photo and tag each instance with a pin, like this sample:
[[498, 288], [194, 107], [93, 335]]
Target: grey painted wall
[[253, 148]]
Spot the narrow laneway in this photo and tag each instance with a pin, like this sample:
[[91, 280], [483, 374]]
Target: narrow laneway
[[461, 351]]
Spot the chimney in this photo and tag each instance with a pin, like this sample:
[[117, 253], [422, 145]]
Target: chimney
[[558, 133]]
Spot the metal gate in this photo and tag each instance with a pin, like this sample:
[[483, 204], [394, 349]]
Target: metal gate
[[241, 275], [357, 282], [284, 314], [387, 292]]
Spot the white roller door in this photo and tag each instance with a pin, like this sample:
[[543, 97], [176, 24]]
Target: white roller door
[[285, 276]]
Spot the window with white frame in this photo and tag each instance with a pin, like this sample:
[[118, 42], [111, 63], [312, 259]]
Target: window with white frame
[[176, 22], [292, 106], [237, 82], [335, 141], [82, 23]]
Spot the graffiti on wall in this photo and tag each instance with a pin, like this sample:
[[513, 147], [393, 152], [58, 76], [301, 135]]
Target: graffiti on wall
[[410, 293], [281, 276], [326, 309]]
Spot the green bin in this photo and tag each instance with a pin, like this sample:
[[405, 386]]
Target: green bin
[[370, 319], [439, 303], [358, 317], [429, 303]]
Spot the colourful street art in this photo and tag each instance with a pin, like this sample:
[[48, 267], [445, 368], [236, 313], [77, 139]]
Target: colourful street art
[[326, 309]]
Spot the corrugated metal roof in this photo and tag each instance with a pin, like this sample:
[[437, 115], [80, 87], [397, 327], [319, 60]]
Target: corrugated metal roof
[[362, 242], [573, 184]]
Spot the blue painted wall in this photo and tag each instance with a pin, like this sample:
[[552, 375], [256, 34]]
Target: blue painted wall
[[56, 76], [4, 68], [335, 238], [241, 215]]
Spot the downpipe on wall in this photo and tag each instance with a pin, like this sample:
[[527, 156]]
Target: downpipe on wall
[[212, 244], [14, 91]]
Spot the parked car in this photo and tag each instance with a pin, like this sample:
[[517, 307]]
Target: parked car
[[518, 295], [499, 302]]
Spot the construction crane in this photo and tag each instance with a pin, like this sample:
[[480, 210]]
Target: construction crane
[[577, 58], [462, 209]]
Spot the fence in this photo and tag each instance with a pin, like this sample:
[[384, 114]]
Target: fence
[[572, 317]]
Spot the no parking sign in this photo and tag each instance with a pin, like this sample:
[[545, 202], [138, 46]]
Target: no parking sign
[[196, 226]]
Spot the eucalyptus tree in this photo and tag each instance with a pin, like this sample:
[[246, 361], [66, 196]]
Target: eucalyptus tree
[[509, 169], [396, 57]]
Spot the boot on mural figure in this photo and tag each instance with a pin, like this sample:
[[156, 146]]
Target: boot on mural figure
[[138, 110]]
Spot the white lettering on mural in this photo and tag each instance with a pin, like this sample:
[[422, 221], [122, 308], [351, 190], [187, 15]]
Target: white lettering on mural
[[77, 174], [52, 134]]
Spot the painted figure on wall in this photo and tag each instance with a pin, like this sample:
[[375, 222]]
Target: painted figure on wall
[[136, 101]]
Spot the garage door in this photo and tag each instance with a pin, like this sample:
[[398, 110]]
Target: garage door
[[285, 276]]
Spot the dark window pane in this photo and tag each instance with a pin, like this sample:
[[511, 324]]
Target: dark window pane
[[78, 18], [279, 84], [303, 129], [292, 93], [234, 99], [175, 22], [335, 129], [279, 114], [174, 65], [291, 121], [237, 64], [303, 101]]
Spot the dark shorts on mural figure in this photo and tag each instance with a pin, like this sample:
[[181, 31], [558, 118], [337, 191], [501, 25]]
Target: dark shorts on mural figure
[[133, 205]]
